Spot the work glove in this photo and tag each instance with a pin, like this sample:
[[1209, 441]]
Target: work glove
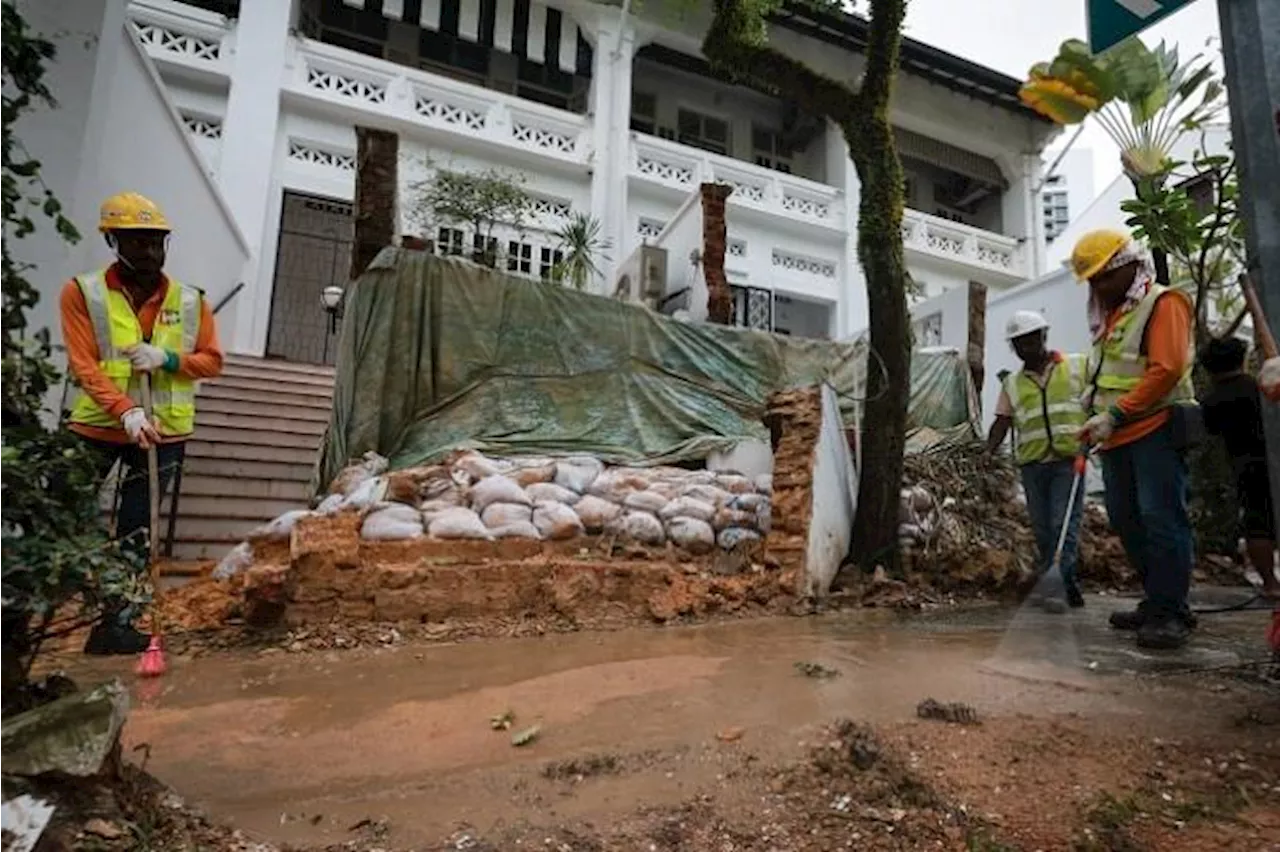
[[146, 358], [1269, 377], [1097, 428], [140, 430]]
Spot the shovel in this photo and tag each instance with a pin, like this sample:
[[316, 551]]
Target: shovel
[[152, 663]]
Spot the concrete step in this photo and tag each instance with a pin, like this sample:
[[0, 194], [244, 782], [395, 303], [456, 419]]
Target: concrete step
[[201, 550], [234, 488], [224, 532], [247, 371], [245, 469], [252, 434], [257, 509], [219, 448], [281, 422], [220, 393], [279, 364], [265, 383]]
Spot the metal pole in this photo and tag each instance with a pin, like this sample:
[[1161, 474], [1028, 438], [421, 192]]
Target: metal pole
[[1251, 57]]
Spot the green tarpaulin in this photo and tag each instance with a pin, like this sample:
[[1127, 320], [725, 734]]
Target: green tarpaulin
[[438, 354]]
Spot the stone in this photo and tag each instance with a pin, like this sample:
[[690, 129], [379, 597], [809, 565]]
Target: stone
[[74, 735]]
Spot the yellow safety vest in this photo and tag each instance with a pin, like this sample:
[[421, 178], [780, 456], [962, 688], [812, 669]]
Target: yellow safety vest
[[1047, 420], [1118, 360], [115, 327]]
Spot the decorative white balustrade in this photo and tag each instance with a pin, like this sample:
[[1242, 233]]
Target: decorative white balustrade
[[326, 73], [946, 240], [683, 168], [183, 36]]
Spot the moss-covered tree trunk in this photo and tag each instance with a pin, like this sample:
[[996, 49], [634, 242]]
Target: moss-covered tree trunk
[[736, 47]]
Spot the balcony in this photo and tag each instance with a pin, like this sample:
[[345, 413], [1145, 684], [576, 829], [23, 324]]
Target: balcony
[[665, 165], [464, 113], [934, 238], [184, 40]]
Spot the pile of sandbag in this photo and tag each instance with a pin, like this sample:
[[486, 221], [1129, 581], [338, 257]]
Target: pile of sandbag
[[472, 496]]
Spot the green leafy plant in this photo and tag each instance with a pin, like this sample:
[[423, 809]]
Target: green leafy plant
[[582, 248], [476, 203], [58, 563]]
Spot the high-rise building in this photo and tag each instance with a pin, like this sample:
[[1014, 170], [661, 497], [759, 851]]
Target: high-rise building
[[1067, 191]]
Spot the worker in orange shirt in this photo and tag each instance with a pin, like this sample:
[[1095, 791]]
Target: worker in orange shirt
[[117, 324], [1141, 408]]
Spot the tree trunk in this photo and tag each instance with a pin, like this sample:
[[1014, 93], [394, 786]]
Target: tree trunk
[[377, 185], [714, 238]]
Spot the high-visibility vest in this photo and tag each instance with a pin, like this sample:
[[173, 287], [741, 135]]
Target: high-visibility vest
[[1048, 419], [1118, 360], [115, 327]]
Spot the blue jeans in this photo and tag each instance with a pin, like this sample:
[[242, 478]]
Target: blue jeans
[[1146, 485], [1048, 488]]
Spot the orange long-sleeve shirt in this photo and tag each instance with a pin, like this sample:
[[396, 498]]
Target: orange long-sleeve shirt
[[204, 362], [1168, 355]]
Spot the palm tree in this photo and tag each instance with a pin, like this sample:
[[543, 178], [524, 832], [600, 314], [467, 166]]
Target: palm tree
[[581, 247]]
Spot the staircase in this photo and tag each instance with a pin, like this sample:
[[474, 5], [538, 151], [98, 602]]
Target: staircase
[[258, 431]]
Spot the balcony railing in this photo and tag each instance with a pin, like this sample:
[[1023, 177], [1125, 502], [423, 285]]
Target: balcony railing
[[183, 37], [682, 168], [942, 239], [324, 73]]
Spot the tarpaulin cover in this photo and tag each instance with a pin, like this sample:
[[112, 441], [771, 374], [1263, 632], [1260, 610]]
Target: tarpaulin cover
[[438, 354]]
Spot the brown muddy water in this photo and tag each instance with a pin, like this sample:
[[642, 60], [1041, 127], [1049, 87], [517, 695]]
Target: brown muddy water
[[299, 747]]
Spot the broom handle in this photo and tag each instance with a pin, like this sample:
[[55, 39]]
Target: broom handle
[[1260, 326], [153, 492]]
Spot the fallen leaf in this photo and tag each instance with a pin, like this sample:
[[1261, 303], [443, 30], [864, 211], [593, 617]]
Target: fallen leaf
[[104, 829]]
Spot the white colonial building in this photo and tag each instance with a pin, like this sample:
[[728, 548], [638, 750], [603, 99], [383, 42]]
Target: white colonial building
[[600, 112]]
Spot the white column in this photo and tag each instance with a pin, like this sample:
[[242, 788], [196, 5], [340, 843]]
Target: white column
[[851, 308], [1021, 210], [249, 134], [615, 46]]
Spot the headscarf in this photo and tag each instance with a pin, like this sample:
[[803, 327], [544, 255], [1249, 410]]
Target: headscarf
[[1131, 252]]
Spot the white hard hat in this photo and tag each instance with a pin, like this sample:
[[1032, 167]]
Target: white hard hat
[[1024, 322]]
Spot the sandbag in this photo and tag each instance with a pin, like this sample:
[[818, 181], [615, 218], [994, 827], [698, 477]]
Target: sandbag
[[596, 513], [691, 534], [577, 473], [432, 507], [523, 529], [735, 483], [666, 489], [279, 529], [366, 494], [645, 501], [505, 514], [687, 507], [707, 494], [526, 476], [497, 489], [443, 489], [727, 517], [731, 537], [556, 521], [641, 527], [750, 503], [409, 486], [542, 491], [329, 505], [396, 522], [370, 465], [457, 522], [764, 483], [478, 466], [240, 558]]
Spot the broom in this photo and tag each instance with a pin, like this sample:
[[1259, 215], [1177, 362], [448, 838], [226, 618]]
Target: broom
[[152, 663]]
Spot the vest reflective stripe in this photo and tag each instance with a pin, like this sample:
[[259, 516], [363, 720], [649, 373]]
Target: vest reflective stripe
[[116, 327], [1039, 439], [1123, 362]]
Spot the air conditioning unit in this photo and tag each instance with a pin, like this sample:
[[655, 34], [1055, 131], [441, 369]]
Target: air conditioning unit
[[642, 277]]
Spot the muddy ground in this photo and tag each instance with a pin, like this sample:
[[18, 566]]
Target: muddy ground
[[720, 737]]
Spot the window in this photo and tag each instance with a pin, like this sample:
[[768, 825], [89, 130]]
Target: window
[[702, 131], [482, 247], [769, 151], [551, 258], [644, 112], [520, 257], [449, 241]]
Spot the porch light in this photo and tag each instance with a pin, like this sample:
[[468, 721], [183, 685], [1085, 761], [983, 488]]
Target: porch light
[[331, 298]]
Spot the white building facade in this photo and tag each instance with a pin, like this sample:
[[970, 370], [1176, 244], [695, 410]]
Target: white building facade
[[613, 116]]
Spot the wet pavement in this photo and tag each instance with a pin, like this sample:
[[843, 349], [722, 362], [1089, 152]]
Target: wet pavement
[[298, 747]]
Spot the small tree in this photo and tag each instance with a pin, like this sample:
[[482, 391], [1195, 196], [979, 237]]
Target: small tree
[[476, 203], [58, 563], [582, 248]]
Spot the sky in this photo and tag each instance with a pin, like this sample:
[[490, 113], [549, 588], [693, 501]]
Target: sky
[[1012, 35]]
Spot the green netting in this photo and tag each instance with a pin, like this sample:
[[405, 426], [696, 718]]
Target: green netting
[[438, 354]]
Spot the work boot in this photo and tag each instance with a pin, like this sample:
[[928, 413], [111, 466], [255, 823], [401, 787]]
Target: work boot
[[113, 638], [1054, 604], [1075, 599], [1127, 619], [1163, 632]]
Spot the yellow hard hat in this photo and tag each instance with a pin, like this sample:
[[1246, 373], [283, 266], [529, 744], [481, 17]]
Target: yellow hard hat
[[1094, 250], [131, 211]]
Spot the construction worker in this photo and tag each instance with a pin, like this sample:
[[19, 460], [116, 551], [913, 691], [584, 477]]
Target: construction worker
[[1140, 403], [117, 324], [1042, 402]]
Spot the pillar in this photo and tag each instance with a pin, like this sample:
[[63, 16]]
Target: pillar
[[1021, 210], [615, 47], [851, 306], [249, 133]]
